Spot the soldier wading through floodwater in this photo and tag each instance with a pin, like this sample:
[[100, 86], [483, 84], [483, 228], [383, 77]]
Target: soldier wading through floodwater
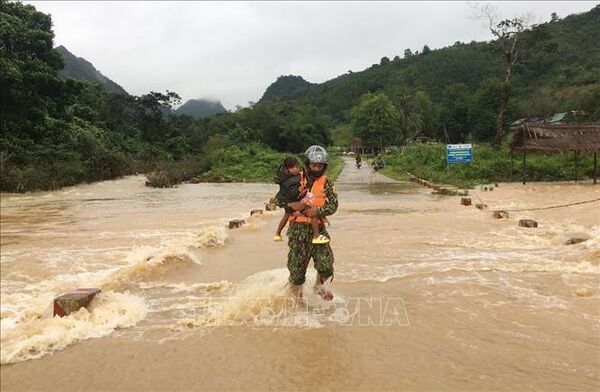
[[301, 248]]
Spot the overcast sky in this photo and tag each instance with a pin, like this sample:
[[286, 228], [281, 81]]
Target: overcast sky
[[232, 51]]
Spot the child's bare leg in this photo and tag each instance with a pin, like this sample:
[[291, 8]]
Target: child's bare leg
[[282, 223]]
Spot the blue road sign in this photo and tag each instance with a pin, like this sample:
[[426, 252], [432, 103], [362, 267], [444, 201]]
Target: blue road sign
[[459, 153]]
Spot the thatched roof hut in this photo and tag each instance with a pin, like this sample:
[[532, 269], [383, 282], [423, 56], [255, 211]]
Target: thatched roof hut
[[556, 138]]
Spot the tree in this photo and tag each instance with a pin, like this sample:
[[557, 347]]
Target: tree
[[28, 69], [375, 120], [543, 104], [483, 106], [507, 33], [408, 53], [150, 113], [410, 118], [454, 116], [588, 104], [384, 61], [426, 50]]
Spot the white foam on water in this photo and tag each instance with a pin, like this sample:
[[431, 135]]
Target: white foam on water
[[508, 262], [38, 335], [264, 299], [27, 332], [177, 288], [211, 237], [519, 238], [519, 292], [146, 263]]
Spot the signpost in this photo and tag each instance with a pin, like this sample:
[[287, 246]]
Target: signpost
[[458, 153]]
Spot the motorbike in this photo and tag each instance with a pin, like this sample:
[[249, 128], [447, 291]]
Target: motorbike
[[377, 165]]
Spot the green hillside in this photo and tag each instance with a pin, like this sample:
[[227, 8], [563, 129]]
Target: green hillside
[[287, 87], [560, 58], [198, 108], [79, 68], [57, 132]]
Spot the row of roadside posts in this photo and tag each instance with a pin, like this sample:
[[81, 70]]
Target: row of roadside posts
[[458, 153]]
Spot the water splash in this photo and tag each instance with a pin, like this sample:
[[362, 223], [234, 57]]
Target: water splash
[[37, 335], [264, 299]]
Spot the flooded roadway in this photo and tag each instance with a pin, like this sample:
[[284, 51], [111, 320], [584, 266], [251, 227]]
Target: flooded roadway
[[429, 295]]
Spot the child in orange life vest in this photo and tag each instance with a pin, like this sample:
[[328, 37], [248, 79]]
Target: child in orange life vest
[[289, 177]]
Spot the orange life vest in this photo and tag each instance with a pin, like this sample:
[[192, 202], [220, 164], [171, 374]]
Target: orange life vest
[[316, 197]]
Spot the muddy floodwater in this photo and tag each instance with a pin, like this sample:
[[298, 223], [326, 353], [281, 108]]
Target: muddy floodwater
[[428, 294]]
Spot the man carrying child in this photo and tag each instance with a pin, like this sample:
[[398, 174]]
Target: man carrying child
[[321, 203]]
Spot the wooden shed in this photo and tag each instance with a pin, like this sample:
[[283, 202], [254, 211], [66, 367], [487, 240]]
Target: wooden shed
[[557, 138]]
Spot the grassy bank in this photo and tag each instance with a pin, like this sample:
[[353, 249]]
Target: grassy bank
[[489, 165], [251, 162], [335, 167]]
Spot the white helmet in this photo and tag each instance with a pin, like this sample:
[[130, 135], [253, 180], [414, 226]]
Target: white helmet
[[316, 154]]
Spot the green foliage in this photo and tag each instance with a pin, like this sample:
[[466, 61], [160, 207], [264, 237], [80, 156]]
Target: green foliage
[[376, 120], [78, 68], [482, 110], [283, 126], [28, 67], [588, 102], [169, 174], [461, 80], [342, 135], [489, 165], [336, 165], [287, 87], [59, 132], [251, 162]]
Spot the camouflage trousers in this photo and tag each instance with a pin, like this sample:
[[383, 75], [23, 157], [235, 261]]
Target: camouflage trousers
[[301, 250]]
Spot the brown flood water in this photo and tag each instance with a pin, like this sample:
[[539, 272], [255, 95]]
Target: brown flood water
[[429, 295]]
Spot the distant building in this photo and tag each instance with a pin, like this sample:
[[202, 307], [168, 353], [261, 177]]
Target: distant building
[[556, 118]]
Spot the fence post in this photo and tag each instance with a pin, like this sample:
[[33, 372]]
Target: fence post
[[576, 156], [523, 166], [595, 166]]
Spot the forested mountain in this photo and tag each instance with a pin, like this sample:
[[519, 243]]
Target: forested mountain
[[558, 61], [79, 68], [199, 108], [57, 132], [287, 87]]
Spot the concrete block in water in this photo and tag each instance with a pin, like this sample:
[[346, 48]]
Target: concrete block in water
[[256, 211], [270, 207], [73, 301], [234, 224], [465, 201], [527, 223], [481, 206], [500, 214]]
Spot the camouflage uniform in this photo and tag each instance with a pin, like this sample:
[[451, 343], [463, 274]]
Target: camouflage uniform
[[301, 248]]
